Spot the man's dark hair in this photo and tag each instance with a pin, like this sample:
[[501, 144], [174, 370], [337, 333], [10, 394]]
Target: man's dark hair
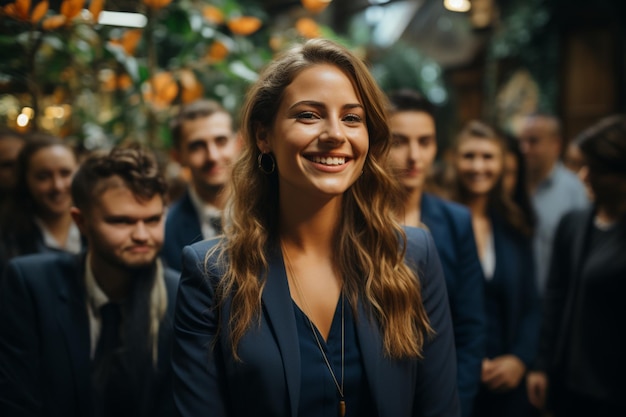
[[604, 144], [192, 111], [410, 100], [136, 166]]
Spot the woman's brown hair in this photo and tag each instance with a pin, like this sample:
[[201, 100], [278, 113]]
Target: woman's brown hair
[[369, 244]]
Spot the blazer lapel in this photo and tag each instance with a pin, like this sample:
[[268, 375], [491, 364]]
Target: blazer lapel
[[278, 306], [74, 324], [428, 213]]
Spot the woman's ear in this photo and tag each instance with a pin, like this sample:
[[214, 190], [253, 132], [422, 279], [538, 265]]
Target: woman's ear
[[262, 139]]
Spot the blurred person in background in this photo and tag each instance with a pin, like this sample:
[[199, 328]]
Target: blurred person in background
[[412, 154], [554, 189], [581, 365], [37, 218], [503, 237], [11, 143], [514, 180], [90, 334], [206, 144]]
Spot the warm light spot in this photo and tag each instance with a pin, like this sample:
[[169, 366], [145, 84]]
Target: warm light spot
[[72, 8], [457, 5], [39, 12], [217, 52], [28, 111], [191, 87], [308, 28], [157, 4], [54, 22], [22, 120], [244, 25], [161, 89], [315, 6], [95, 8], [213, 15]]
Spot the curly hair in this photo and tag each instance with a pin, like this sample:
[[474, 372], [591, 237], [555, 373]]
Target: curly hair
[[135, 166], [369, 245]]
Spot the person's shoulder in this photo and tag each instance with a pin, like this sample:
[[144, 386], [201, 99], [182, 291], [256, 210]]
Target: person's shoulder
[[45, 271], [180, 206], [577, 216], [45, 261], [567, 178], [418, 243], [449, 208], [204, 252]]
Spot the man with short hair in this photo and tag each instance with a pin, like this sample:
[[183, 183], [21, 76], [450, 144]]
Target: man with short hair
[[90, 334], [412, 154], [205, 143], [553, 188]]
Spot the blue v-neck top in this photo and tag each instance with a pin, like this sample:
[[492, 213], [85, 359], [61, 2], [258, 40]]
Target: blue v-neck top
[[319, 396]]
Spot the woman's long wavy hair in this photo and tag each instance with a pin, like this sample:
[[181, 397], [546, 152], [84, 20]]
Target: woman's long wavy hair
[[499, 201], [369, 244]]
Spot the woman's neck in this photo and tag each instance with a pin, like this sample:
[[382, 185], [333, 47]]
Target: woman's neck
[[310, 226], [478, 205], [58, 226], [411, 215]]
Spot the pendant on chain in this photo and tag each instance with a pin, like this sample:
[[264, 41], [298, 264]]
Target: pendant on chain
[[342, 408]]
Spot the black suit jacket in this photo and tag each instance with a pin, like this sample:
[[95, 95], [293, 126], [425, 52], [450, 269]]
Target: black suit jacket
[[208, 381], [45, 344], [182, 228], [585, 294]]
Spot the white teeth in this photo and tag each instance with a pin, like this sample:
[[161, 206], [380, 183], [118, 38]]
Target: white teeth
[[328, 160]]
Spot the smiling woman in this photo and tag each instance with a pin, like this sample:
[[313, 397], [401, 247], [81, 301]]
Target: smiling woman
[[310, 304], [38, 214], [504, 246]]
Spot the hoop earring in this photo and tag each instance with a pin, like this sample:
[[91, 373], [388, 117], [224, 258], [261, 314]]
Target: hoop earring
[[264, 160]]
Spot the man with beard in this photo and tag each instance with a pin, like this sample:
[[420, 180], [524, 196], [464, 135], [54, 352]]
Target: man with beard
[[90, 334], [205, 144]]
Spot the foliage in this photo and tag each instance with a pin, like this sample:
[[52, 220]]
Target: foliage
[[105, 84]]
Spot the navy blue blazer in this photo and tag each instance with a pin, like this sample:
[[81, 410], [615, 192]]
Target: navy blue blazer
[[512, 299], [208, 381], [45, 340], [182, 228], [451, 227]]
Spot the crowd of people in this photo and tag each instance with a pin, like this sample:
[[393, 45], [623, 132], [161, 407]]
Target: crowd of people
[[320, 261]]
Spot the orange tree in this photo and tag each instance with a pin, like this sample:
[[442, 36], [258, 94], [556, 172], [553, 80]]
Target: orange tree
[[102, 84]]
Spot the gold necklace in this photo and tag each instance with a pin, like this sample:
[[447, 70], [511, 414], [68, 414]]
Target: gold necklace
[[342, 402]]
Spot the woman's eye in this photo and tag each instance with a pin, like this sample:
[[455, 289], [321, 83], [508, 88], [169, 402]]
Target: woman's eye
[[353, 118], [306, 115]]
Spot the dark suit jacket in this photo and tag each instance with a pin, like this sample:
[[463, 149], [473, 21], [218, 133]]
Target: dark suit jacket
[[182, 228], [209, 382], [585, 291], [451, 227], [45, 344], [513, 309]]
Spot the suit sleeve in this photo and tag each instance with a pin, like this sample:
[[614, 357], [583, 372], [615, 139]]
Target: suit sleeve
[[198, 379], [20, 390], [469, 321], [557, 287], [527, 334], [436, 391]]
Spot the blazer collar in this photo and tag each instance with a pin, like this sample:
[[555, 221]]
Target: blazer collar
[[384, 375], [428, 210], [277, 303]]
